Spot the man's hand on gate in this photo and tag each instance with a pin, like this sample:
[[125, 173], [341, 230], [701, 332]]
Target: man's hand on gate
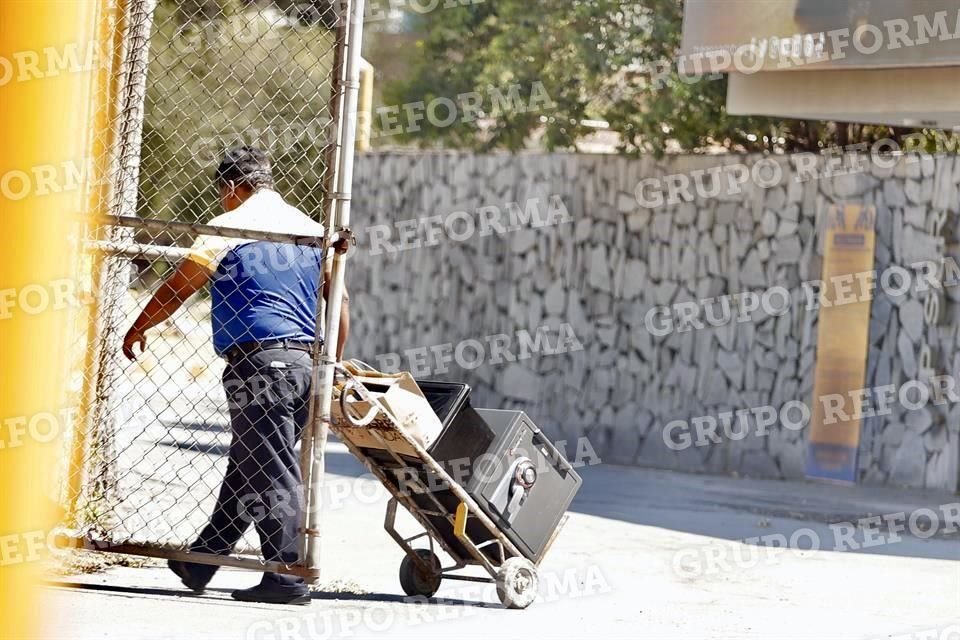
[[135, 336]]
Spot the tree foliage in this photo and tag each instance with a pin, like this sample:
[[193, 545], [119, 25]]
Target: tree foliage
[[229, 72]]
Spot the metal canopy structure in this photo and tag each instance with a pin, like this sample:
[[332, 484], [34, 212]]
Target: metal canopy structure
[[893, 62]]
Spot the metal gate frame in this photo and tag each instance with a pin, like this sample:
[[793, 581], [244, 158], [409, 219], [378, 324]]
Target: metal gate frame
[[111, 268]]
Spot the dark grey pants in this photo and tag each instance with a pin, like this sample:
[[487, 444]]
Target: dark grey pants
[[268, 393]]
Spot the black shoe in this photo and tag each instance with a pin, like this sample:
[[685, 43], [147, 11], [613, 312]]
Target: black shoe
[[190, 578], [273, 593]]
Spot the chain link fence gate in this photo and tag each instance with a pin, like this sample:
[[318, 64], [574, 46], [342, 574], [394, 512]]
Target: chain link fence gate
[[190, 79]]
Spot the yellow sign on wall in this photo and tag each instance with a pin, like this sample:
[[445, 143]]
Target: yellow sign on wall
[[842, 342]]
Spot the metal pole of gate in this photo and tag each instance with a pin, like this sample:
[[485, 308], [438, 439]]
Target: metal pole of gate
[[128, 88], [322, 397]]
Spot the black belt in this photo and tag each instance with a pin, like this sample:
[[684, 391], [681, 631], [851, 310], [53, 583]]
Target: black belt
[[240, 351]]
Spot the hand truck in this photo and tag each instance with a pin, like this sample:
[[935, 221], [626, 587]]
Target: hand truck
[[451, 519]]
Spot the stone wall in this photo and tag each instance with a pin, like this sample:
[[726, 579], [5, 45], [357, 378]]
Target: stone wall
[[913, 336], [468, 305]]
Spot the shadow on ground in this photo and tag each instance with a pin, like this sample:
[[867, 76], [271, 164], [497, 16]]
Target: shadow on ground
[[730, 508], [740, 508], [224, 594]]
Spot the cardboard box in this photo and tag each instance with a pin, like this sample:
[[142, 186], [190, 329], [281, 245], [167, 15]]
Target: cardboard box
[[401, 398]]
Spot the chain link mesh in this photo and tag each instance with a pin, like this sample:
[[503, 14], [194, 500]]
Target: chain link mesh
[[149, 452]]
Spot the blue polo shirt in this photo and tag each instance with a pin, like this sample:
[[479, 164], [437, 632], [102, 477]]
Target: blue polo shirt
[[265, 291], [262, 291]]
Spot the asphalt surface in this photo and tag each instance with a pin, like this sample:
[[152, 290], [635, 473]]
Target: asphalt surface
[[644, 554]]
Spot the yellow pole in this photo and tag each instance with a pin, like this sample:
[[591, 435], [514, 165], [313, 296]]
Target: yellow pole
[[365, 115], [49, 63]]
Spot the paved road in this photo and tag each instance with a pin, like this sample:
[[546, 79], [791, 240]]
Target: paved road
[[645, 554]]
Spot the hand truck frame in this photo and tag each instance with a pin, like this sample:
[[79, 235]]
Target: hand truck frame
[[515, 576]]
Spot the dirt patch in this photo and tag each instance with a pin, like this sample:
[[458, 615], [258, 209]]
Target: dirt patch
[[72, 562], [342, 586]]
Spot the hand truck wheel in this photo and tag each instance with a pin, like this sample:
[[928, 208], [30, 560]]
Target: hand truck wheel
[[517, 583], [413, 581]]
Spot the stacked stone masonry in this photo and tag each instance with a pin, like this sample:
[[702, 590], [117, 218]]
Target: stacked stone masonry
[[600, 261]]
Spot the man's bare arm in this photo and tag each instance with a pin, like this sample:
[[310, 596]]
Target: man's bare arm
[[344, 331], [344, 324], [185, 281]]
